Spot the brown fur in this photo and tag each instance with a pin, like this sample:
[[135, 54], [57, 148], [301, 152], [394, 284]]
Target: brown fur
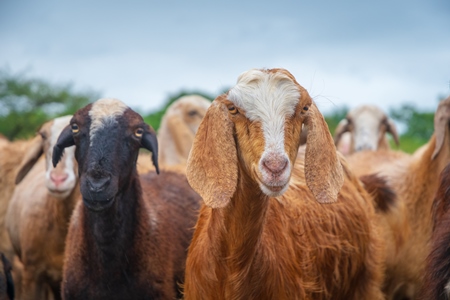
[[247, 245], [437, 270], [384, 197], [414, 178]]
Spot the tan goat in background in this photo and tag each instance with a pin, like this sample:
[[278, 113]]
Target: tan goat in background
[[269, 228], [176, 132], [39, 212], [415, 180], [364, 128]]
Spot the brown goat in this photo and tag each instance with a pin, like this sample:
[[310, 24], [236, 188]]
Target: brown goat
[[39, 212], [436, 283], [364, 128], [128, 238], [269, 229], [414, 178]]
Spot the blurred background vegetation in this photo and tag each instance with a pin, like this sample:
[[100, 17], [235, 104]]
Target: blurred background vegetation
[[26, 103]]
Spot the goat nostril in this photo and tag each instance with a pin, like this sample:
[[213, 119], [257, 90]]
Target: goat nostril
[[98, 184], [275, 166]]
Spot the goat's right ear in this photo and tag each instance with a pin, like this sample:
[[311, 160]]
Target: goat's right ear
[[35, 150], [65, 140], [212, 169], [341, 128]]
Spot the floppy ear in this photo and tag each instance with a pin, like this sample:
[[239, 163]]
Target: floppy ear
[[150, 142], [323, 169], [36, 148], [65, 140], [212, 169], [441, 120], [341, 128], [392, 129]]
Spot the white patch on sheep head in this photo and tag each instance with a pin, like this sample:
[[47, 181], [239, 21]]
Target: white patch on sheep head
[[104, 112]]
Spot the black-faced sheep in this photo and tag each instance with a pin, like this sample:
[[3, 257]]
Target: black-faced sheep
[[128, 238]]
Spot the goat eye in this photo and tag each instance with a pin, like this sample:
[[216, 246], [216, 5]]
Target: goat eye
[[305, 108], [75, 128], [192, 113], [139, 132], [233, 110]]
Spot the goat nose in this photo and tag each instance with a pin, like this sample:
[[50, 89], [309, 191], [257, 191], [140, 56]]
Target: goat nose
[[58, 178], [98, 184], [275, 165]]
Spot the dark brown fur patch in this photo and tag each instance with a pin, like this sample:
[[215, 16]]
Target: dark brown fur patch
[[383, 195]]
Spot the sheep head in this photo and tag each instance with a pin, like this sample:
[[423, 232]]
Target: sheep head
[[255, 129], [108, 136], [59, 180], [368, 125]]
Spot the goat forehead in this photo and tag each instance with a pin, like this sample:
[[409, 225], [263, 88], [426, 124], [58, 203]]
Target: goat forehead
[[268, 98], [104, 112], [265, 96]]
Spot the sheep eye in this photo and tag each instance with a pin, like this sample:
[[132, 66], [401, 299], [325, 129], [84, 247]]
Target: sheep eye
[[192, 113], [75, 128], [139, 132], [233, 110]]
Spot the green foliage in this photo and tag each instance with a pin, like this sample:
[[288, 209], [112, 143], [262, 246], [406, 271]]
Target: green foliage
[[26, 103], [154, 118], [335, 117], [418, 124]]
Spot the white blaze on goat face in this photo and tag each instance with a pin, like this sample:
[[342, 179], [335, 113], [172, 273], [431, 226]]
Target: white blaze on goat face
[[65, 168], [269, 98], [104, 112], [366, 121]]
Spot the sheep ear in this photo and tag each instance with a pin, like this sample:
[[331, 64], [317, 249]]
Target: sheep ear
[[212, 164], [36, 148], [323, 169], [392, 129], [150, 142], [65, 140], [341, 128], [441, 120]]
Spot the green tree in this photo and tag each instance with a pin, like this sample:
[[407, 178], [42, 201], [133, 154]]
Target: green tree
[[26, 103]]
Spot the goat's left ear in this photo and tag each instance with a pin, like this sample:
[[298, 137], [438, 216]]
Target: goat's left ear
[[392, 129], [441, 121], [150, 142], [35, 150], [341, 128], [323, 170], [65, 140]]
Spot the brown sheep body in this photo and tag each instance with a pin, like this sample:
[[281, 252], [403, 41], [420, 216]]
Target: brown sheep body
[[39, 212], [414, 178], [265, 231]]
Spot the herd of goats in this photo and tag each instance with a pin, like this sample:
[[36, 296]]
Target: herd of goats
[[247, 197]]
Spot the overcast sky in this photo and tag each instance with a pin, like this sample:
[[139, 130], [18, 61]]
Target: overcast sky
[[383, 52]]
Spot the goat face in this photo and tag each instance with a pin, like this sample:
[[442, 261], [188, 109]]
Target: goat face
[[256, 129], [60, 180], [107, 135], [368, 125]]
